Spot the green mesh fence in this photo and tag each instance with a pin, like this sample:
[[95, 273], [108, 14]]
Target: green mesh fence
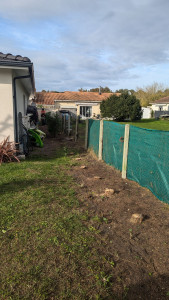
[[148, 154], [148, 160], [93, 135], [113, 134]]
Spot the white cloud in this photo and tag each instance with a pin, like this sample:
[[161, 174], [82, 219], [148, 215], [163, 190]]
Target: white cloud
[[74, 43]]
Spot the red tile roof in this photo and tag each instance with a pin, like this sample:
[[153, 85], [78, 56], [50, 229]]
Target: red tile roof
[[49, 97], [162, 100]]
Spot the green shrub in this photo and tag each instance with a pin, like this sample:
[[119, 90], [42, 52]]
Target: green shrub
[[53, 122], [121, 107]]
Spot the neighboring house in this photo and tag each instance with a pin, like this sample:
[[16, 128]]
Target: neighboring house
[[16, 86], [84, 104], [161, 105]]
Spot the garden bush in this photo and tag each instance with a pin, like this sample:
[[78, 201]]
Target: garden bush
[[123, 107], [53, 122]]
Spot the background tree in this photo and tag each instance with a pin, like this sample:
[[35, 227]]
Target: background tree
[[125, 106], [82, 90], [105, 89], [125, 91], [150, 93]]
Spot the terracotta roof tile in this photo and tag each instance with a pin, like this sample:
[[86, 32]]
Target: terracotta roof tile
[[49, 97], [162, 100]]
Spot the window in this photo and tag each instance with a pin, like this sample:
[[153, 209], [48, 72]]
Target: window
[[86, 111]]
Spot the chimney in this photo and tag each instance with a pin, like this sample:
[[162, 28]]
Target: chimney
[[100, 90]]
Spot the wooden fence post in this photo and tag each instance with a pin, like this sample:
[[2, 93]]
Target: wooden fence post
[[86, 133], [68, 130], [76, 128], [64, 123], [125, 151], [101, 140]]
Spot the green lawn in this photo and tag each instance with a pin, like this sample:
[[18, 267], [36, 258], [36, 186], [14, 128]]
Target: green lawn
[[150, 124], [47, 252]]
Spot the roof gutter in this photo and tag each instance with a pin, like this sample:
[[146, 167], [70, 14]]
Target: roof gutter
[[15, 100], [16, 63]]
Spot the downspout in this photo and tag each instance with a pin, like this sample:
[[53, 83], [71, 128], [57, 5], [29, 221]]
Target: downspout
[[15, 102]]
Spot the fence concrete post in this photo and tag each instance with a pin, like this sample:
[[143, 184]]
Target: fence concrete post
[[86, 133], [125, 151], [101, 140], [76, 128]]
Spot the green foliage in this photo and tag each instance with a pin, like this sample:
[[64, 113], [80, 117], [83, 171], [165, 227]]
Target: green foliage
[[82, 90], [105, 89], [151, 93], [125, 106], [125, 91], [54, 123], [102, 90]]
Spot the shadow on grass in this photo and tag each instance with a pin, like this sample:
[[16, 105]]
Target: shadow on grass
[[21, 185], [141, 121], [64, 152]]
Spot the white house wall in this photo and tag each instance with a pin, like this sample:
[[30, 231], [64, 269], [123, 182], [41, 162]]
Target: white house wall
[[21, 97], [67, 105], [6, 102], [164, 107]]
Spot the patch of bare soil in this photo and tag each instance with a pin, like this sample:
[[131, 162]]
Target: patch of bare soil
[[139, 252], [61, 141]]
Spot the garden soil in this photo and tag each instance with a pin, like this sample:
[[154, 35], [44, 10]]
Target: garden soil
[[139, 251]]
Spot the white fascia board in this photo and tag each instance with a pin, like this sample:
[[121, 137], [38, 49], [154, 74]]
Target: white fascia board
[[14, 68], [160, 103], [86, 104], [79, 103], [68, 107]]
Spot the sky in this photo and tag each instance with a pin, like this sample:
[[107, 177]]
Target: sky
[[85, 44]]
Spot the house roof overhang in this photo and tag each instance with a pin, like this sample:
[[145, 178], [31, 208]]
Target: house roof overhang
[[161, 103], [21, 66], [22, 69]]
